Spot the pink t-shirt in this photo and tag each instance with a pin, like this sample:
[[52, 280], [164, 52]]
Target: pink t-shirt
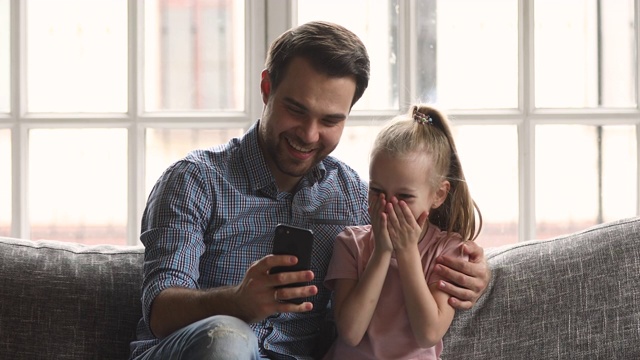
[[389, 335]]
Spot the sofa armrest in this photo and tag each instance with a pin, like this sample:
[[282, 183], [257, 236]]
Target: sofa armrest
[[68, 301], [572, 297]]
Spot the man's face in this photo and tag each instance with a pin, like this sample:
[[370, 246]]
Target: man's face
[[302, 120]]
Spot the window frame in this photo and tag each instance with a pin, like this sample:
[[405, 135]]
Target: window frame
[[135, 120], [266, 19]]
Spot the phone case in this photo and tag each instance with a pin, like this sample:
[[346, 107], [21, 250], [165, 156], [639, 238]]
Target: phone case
[[293, 240]]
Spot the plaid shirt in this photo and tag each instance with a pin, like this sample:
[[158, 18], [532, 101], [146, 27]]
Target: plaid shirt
[[213, 213]]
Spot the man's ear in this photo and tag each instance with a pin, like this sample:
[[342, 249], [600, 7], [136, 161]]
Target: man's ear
[[265, 86], [441, 194]]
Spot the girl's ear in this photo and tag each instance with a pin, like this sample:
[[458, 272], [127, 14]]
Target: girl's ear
[[441, 194]]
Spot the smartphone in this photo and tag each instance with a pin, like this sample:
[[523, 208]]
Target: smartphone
[[293, 240]]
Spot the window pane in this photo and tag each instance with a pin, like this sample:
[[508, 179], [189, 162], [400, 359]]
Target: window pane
[[76, 56], [566, 179], [618, 54], [489, 157], [78, 185], [5, 182], [194, 55], [619, 172], [468, 54], [376, 24], [165, 146], [355, 147], [5, 81], [586, 180], [585, 58]]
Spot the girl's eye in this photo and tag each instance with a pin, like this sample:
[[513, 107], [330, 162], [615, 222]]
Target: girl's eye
[[374, 190]]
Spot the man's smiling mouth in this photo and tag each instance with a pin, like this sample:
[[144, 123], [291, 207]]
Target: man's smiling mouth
[[298, 148]]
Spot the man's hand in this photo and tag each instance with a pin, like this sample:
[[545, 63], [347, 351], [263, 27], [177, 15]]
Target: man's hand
[[260, 294], [255, 298], [467, 280]]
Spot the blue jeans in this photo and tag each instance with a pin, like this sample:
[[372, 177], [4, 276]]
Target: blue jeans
[[216, 337]]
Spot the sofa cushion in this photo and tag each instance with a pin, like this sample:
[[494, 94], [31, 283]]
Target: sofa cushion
[[68, 301], [573, 297]]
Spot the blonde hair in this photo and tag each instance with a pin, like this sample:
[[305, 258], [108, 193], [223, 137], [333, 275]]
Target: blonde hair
[[427, 130]]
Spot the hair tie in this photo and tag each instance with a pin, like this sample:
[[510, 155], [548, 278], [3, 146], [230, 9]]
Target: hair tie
[[421, 118]]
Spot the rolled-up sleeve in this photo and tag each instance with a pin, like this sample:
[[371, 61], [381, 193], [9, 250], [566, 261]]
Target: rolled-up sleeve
[[173, 227]]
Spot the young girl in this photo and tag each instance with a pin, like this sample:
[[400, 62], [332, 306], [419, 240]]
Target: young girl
[[386, 301]]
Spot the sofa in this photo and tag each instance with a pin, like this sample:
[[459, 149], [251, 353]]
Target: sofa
[[61, 300], [571, 297]]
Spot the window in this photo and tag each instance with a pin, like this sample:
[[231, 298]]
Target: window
[[586, 174], [5, 83], [585, 54], [194, 55], [5, 182], [381, 41], [106, 94], [73, 193], [5, 134], [76, 57], [104, 107], [543, 100]]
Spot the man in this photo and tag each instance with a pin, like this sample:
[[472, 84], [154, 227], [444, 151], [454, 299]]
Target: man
[[209, 223]]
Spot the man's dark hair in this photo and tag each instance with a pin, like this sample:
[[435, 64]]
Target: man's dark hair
[[331, 49]]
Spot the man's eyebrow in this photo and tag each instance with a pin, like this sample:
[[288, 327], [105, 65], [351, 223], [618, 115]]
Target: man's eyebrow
[[337, 116], [291, 101], [295, 103]]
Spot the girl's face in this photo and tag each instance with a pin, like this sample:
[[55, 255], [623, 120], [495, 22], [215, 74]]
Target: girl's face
[[409, 178]]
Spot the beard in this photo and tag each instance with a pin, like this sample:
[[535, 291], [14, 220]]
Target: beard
[[286, 163], [280, 155]]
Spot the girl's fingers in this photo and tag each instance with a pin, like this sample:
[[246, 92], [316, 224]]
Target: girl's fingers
[[401, 213], [402, 223], [407, 215], [392, 214], [422, 220], [379, 205]]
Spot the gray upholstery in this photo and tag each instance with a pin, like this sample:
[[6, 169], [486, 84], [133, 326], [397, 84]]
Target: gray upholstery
[[68, 301], [574, 297]]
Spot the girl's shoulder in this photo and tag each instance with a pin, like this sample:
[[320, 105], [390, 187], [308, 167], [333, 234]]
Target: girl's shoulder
[[358, 235], [443, 235], [442, 241], [357, 229]]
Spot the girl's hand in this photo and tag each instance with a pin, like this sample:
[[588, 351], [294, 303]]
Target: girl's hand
[[379, 224], [403, 228]]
